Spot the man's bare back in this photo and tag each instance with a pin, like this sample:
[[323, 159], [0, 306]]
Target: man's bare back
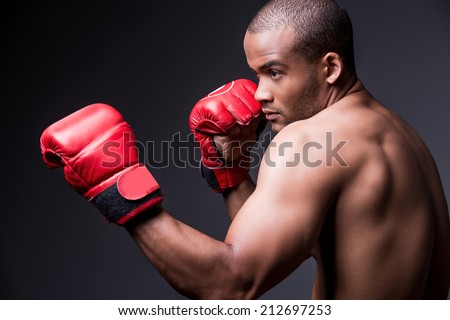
[[381, 236]]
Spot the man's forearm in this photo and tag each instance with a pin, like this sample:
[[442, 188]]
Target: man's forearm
[[235, 197], [195, 264]]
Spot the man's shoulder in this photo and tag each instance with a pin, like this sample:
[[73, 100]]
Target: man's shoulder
[[316, 128], [336, 138], [309, 147]]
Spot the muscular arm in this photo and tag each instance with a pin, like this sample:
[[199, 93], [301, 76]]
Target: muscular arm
[[195, 264], [271, 235]]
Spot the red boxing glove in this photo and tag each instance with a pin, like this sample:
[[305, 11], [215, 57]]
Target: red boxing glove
[[230, 105], [97, 149]]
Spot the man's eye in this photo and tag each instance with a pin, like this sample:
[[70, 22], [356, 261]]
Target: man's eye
[[274, 73]]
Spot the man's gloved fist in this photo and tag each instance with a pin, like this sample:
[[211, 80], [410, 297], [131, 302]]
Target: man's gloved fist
[[226, 124], [97, 149]]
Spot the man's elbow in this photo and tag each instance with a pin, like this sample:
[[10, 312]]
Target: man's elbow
[[227, 280], [234, 286]]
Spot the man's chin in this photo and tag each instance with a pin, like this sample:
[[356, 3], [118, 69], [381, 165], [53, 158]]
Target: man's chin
[[276, 127]]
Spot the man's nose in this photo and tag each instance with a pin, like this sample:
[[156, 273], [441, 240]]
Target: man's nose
[[262, 93]]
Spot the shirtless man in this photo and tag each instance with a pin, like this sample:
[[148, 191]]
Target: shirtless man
[[345, 180]]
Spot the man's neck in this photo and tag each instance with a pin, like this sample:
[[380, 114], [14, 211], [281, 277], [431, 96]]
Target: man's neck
[[345, 88]]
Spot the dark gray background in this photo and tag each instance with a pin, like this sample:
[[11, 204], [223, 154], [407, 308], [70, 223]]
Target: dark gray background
[[153, 62]]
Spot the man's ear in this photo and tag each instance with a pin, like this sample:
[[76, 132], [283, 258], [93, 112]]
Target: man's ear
[[333, 67]]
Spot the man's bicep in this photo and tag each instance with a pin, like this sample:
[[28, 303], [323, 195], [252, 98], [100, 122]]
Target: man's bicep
[[277, 227]]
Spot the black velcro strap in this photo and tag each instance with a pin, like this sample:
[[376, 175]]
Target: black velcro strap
[[113, 206]]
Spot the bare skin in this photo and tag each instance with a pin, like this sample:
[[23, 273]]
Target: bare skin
[[345, 181]]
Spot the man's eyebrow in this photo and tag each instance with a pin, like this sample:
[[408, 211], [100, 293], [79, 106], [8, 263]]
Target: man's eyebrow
[[271, 64]]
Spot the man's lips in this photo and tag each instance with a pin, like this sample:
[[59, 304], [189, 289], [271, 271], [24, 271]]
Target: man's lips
[[271, 115]]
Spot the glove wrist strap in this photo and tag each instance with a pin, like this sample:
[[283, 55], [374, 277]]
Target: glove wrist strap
[[134, 191]]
